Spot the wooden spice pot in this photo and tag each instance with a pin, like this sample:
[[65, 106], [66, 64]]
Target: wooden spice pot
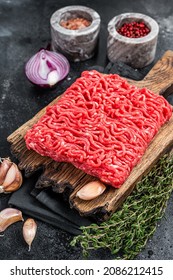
[[136, 52], [76, 44]]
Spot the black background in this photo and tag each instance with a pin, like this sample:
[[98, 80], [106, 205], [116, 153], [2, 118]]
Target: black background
[[24, 29]]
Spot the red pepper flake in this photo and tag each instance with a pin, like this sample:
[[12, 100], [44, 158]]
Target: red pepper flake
[[134, 29], [75, 23]]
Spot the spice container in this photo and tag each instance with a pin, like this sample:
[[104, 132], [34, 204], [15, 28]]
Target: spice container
[[136, 49], [74, 32]]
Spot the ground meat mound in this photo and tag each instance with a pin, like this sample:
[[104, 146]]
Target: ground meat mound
[[101, 124]]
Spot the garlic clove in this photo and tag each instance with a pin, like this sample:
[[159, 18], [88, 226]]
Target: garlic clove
[[29, 231], [5, 164], [13, 187], [10, 176], [9, 216], [91, 190], [16, 184]]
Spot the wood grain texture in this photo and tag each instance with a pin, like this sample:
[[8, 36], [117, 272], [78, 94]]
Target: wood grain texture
[[65, 178]]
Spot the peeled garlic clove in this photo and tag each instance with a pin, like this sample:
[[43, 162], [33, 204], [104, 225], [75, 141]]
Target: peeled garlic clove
[[5, 164], [91, 190], [29, 231], [11, 177], [9, 216]]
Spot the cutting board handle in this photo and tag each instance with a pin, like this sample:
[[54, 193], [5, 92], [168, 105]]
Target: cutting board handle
[[160, 77]]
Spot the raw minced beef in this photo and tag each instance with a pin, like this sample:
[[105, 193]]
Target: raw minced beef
[[101, 124]]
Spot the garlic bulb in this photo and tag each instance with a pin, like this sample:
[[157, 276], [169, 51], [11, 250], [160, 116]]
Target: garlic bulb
[[9, 216], [91, 190], [29, 231], [10, 176]]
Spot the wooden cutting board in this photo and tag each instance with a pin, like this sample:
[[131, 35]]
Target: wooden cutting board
[[65, 178]]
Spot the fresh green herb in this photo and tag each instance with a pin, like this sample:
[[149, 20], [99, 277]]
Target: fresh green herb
[[129, 228]]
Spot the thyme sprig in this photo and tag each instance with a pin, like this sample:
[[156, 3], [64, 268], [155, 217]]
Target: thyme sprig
[[126, 233]]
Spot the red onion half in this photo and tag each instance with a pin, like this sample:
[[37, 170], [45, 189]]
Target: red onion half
[[47, 68]]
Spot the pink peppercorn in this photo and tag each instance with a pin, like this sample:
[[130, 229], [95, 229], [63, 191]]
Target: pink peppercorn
[[134, 29]]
